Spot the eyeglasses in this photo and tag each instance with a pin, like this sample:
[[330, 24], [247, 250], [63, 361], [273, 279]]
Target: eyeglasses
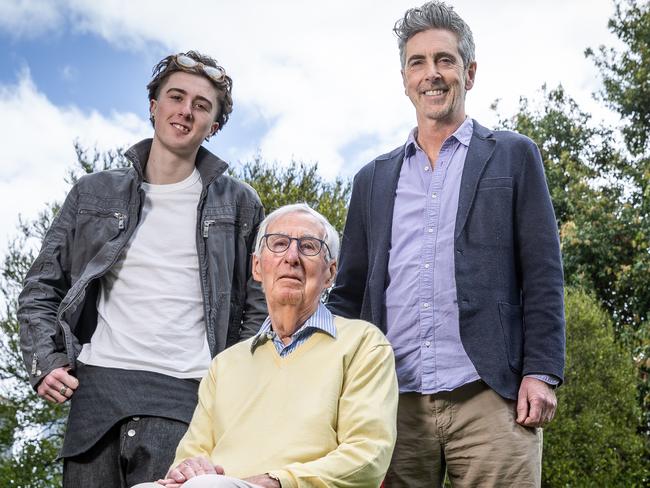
[[215, 73], [307, 246]]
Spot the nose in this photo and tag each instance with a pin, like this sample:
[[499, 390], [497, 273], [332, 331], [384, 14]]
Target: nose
[[186, 110], [292, 255], [432, 72]]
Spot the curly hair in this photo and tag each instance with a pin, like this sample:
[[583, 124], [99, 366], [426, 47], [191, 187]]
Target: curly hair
[[168, 65]]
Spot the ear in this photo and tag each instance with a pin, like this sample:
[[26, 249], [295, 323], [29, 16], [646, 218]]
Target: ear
[[470, 76], [406, 92], [214, 128], [257, 268], [153, 103], [331, 269]]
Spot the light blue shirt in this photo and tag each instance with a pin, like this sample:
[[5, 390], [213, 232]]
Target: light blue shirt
[[421, 304], [321, 321]]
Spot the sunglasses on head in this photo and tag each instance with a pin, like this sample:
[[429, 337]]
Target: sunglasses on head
[[216, 74]]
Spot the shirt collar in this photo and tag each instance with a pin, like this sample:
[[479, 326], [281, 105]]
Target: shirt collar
[[463, 135], [322, 320]]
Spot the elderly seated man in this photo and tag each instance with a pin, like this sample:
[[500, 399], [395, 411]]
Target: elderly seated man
[[311, 400]]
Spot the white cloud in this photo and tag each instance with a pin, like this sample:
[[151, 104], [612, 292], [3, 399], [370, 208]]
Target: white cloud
[[328, 75], [30, 18], [37, 140]]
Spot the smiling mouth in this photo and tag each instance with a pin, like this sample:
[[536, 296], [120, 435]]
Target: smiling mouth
[[433, 93], [181, 128]]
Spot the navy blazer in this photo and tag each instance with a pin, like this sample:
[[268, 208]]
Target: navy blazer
[[508, 267]]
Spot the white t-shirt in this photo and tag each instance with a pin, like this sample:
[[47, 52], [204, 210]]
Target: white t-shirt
[[150, 310]]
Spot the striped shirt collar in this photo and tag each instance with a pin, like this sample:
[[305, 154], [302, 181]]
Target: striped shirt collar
[[463, 135], [322, 320]]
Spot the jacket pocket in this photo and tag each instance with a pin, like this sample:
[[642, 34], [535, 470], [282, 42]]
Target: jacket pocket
[[107, 223], [227, 224], [94, 230], [512, 325], [499, 182]]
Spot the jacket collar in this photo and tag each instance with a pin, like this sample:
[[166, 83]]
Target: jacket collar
[[209, 165]]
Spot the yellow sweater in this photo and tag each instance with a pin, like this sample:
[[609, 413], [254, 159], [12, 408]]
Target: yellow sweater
[[324, 416]]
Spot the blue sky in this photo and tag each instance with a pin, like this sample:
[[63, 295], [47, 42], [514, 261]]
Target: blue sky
[[312, 80]]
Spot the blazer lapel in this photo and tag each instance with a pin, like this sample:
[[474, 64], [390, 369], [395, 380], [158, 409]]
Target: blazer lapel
[[382, 202], [480, 150]]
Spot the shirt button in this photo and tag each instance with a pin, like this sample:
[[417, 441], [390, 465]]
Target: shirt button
[[426, 265], [426, 168], [38, 372], [131, 433], [427, 343], [435, 195], [430, 230], [136, 419], [425, 304]]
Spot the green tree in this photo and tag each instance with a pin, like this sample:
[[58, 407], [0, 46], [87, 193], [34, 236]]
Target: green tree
[[31, 429], [626, 73], [279, 185], [593, 439], [626, 89]]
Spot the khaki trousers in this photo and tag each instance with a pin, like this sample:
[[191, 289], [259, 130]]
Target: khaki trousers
[[470, 434]]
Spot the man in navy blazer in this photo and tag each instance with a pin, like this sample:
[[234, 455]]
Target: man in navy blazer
[[451, 247]]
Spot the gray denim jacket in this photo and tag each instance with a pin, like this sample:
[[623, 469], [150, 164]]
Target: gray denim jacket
[[58, 306]]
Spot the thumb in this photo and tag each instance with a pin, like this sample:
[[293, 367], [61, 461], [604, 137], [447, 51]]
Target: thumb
[[522, 407]]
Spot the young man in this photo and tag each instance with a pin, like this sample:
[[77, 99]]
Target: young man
[[464, 277], [144, 276]]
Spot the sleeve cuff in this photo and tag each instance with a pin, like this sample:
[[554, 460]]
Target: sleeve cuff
[[546, 378]]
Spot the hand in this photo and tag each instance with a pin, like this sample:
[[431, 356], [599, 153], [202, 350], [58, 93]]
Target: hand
[[58, 385], [264, 481], [536, 403], [190, 468]]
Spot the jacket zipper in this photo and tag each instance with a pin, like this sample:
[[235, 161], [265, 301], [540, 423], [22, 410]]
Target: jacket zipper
[[34, 364], [121, 218], [206, 227]]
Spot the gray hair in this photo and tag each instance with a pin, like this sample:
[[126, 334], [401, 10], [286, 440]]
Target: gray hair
[[331, 236], [434, 15]]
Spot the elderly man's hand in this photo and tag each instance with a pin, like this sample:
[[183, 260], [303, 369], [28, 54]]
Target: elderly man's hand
[[190, 468], [536, 403]]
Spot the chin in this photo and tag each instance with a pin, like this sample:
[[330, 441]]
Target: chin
[[289, 298]]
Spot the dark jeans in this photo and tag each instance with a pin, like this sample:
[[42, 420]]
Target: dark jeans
[[136, 450]]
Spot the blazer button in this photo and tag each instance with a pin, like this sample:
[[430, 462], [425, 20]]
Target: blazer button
[[459, 251]]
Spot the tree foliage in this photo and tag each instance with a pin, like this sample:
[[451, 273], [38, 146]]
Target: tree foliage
[[626, 89], [626, 73], [600, 187], [593, 439], [279, 185]]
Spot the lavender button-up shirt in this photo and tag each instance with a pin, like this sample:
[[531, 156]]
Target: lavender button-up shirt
[[421, 303]]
